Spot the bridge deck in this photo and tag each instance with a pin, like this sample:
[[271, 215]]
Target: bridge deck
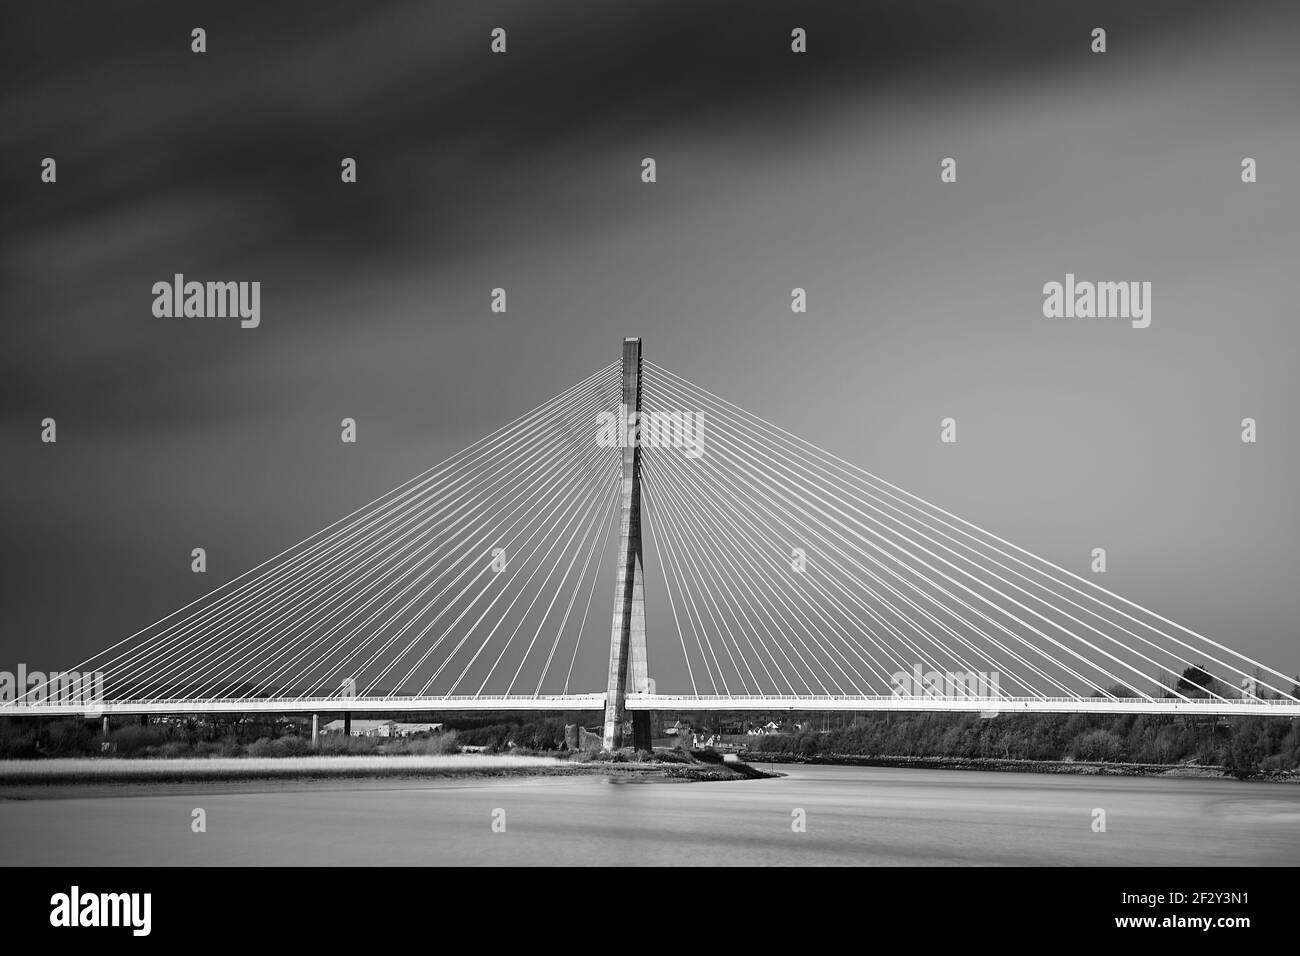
[[662, 702]]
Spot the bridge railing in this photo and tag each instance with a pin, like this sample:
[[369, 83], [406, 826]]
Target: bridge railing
[[878, 698], [326, 703]]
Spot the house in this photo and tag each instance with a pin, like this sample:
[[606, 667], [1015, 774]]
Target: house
[[676, 728], [363, 728]]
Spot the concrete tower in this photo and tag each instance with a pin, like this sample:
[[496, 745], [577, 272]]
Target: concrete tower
[[627, 652]]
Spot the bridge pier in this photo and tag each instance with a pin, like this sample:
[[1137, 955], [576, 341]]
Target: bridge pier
[[627, 648], [641, 736], [347, 723], [315, 731]]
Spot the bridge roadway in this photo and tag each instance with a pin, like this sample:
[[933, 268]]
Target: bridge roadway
[[673, 703]]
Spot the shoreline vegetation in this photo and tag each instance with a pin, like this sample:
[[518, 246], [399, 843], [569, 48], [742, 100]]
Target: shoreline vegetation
[[25, 778], [627, 766], [1005, 765], [247, 747], [1246, 748]]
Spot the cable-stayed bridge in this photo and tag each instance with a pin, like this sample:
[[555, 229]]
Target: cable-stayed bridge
[[779, 577]]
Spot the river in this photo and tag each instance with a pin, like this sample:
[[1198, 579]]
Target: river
[[852, 815]]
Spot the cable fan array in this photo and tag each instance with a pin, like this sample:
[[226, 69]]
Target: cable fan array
[[792, 572], [772, 567], [475, 577]]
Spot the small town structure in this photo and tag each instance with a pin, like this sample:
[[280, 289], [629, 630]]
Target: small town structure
[[380, 728]]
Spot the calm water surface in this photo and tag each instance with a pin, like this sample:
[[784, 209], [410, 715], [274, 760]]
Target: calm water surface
[[855, 815]]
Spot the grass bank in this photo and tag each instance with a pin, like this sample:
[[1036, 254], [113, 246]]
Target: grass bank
[[73, 771]]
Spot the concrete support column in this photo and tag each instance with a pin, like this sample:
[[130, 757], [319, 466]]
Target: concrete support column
[[627, 646], [315, 731], [347, 723], [105, 726]]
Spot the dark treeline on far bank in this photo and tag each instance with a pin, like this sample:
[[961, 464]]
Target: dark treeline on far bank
[[1238, 744], [239, 735], [1241, 744]]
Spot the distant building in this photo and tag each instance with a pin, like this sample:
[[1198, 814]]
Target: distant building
[[381, 728], [363, 728], [412, 730]]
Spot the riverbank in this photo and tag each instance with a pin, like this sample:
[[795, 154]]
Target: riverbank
[[19, 777], [1076, 767]]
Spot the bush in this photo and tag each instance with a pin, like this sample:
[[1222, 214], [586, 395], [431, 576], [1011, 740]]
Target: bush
[[67, 738], [18, 744], [431, 745], [672, 756], [1099, 745], [262, 747], [135, 740], [339, 744], [226, 747], [290, 746]]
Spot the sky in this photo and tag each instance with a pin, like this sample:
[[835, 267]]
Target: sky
[[522, 171]]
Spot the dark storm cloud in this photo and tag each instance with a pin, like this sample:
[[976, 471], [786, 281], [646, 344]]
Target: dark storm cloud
[[174, 162], [284, 86]]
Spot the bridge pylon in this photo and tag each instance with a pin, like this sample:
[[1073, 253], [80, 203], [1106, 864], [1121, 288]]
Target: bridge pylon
[[627, 648]]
